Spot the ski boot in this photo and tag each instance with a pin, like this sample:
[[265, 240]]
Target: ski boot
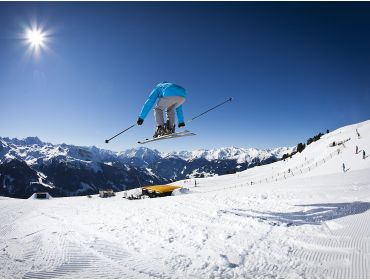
[[160, 131], [168, 129]]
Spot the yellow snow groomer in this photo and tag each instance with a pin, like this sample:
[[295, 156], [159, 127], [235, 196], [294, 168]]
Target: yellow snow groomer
[[159, 190]]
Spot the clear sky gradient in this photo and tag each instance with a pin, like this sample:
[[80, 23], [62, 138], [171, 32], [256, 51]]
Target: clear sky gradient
[[294, 69]]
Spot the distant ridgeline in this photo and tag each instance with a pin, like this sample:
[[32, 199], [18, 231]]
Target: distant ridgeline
[[30, 165]]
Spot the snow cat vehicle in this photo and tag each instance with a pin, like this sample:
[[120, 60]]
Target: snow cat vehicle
[[159, 190]]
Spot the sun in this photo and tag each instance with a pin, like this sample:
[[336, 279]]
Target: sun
[[36, 38]]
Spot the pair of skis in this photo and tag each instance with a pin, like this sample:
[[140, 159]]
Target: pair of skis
[[169, 136], [173, 135]]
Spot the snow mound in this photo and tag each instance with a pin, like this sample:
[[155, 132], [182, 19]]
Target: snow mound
[[181, 191]]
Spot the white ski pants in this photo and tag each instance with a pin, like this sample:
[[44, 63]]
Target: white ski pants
[[169, 105]]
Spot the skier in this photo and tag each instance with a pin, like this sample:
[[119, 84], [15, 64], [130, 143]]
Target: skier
[[170, 97], [356, 149], [344, 168], [363, 154]]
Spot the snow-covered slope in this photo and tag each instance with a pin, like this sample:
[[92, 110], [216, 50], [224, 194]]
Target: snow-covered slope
[[300, 218]]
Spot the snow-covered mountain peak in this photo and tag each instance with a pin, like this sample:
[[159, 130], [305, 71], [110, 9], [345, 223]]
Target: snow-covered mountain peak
[[32, 148], [231, 153], [28, 141], [33, 141], [143, 153]]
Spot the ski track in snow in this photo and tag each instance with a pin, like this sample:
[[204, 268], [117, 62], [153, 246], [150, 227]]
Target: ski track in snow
[[315, 224]]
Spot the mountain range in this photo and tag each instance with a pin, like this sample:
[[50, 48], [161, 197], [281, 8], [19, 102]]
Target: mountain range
[[29, 165]]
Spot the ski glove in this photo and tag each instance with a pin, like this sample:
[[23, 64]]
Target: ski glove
[[140, 121], [181, 124]]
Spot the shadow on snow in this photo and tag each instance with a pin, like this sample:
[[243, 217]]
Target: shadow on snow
[[316, 215]]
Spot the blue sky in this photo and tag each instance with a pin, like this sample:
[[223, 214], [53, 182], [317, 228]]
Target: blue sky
[[294, 69]]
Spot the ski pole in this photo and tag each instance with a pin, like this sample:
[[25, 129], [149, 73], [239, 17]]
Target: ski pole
[[229, 99], [107, 141]]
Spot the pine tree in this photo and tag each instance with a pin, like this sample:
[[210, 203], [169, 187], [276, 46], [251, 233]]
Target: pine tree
[[300, 147]]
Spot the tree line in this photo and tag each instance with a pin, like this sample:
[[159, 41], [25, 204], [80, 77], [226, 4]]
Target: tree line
[[301, 146]]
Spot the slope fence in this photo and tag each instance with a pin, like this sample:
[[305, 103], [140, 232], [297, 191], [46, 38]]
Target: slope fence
[[306, 167]]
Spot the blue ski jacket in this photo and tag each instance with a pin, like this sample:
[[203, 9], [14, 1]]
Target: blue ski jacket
[[164, 89]]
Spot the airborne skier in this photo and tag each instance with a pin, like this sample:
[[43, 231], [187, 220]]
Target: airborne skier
[[170, 97]]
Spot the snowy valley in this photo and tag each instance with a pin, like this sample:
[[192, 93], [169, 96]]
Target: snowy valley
[[304, 217]]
